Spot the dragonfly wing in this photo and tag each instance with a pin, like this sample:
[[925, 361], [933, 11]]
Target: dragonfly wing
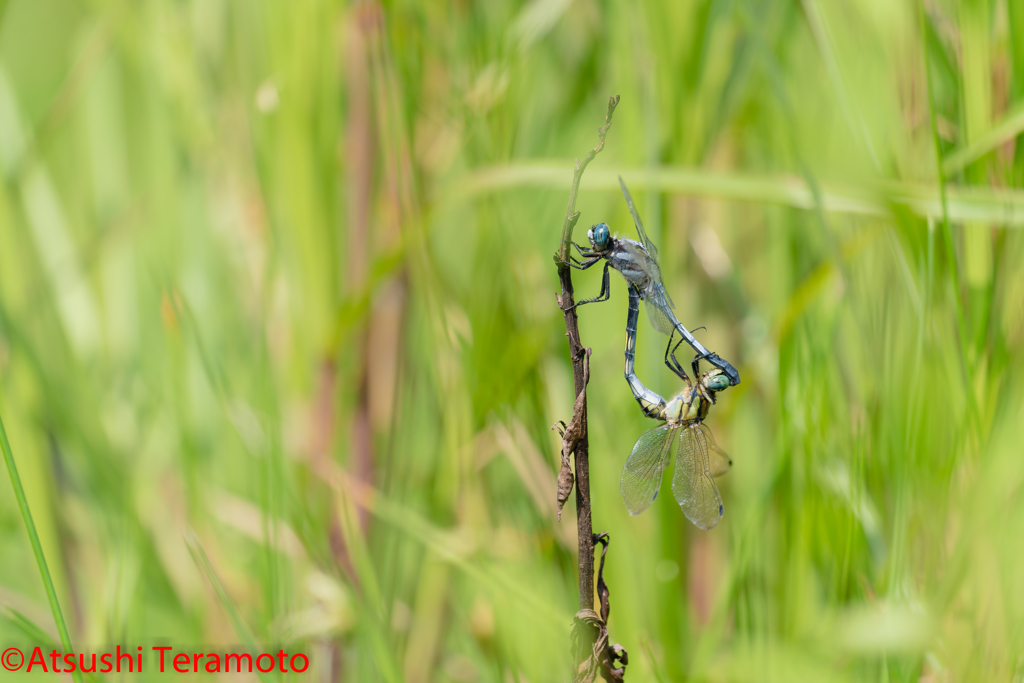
[[641, 477], [659, 308], [719, 459], [644, 240], [692, 485], [663, 292]]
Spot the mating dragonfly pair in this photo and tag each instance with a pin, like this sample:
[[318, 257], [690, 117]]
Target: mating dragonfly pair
[[698, 458]]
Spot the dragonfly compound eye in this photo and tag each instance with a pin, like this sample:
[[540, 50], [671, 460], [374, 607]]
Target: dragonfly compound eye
[[599, 235], [717, 382]]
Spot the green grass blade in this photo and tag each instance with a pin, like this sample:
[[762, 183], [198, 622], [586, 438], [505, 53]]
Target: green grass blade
[[1008, 128], [36, 635], [823, 39], [948, 232], [28, 628], [37, 548], [999, 206], [243, 632]]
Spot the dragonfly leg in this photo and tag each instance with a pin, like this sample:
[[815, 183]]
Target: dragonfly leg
[[674, 365], [585, 252], [710, 395], [589, 258], [605, 288], [712, 358], [578, 265]]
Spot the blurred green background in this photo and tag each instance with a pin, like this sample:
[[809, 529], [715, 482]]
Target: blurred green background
[[276, 288]]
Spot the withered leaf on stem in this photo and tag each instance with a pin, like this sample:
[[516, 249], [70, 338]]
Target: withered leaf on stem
[[592, 627], [571, 436], [603, 593]]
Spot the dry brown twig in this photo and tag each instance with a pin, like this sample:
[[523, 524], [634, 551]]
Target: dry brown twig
[[602, 656], [590, 635]]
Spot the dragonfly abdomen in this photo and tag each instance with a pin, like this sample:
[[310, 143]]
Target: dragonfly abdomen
[[651, 403]]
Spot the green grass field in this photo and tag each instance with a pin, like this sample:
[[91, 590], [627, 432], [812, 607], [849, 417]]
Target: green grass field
[[279, 347]]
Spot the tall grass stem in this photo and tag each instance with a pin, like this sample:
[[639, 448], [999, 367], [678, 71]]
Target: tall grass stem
[[37, 548]]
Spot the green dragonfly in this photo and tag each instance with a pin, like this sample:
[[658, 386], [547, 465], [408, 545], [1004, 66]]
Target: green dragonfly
[[698, 457]]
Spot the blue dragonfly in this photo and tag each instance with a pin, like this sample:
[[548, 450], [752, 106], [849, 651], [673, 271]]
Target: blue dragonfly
[[637, 262]]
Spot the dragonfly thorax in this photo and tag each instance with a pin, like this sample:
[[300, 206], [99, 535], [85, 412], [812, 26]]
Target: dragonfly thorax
[[634, 264], [686, 406]]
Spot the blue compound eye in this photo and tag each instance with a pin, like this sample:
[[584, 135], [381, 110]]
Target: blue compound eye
[[599, 235]]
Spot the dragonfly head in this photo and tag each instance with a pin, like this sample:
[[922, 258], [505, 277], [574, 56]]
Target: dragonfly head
[[715, 381], [599, 236]]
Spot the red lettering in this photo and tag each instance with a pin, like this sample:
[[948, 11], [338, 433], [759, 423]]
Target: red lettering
[[69, 659], [280, 658], [53, 659], [213, 659], [140, 658], [196, 657], [238, 661], [162, 650], [184, 662], [271, 657], [38, 652], [107, 663], [81, 664], [305, 662], [120, 656]]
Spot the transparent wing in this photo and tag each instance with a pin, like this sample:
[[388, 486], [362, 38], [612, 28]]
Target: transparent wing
[[644, 240], [659, 308], [641, 477], [692, 485], [663, 293], [719, 459]]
